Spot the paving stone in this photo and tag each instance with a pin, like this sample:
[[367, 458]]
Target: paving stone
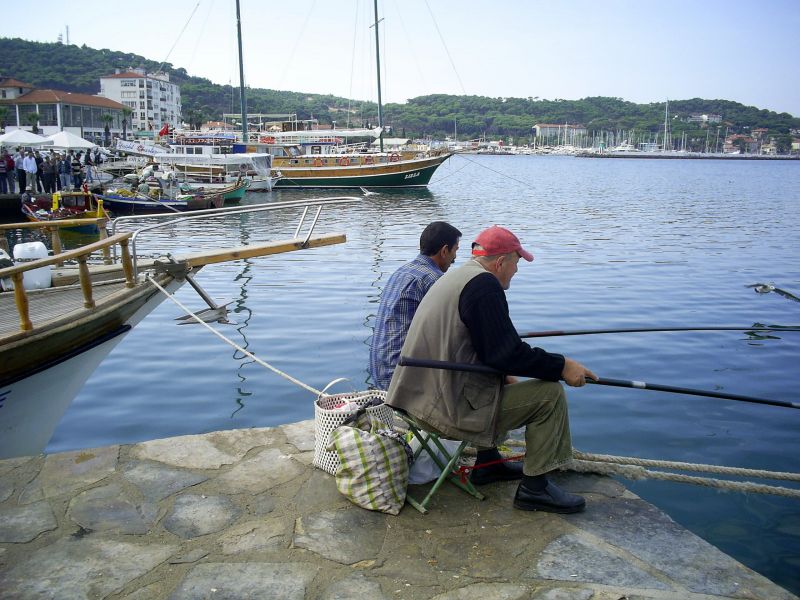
[[237, 581], [574, 594], [6, 489], [572, 558], [86, 568], [256, 535], [20, 524], [157, 481], [106, 509], [9, 464], [261, 504], [300, 435], [188, 451], [319, 493], [651, 536], [354, 586], [344, 536], [260, 473], [189, 557], [239, 442], [194, 515], [154, 591], [68, 472], [487, 591]]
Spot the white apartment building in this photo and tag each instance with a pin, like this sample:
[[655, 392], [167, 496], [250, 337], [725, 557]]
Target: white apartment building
[[153, 100]]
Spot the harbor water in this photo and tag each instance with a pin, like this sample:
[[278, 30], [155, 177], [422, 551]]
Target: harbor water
[[617, 243]]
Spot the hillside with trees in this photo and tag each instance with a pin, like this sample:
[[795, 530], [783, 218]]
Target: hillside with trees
[[79, 68]]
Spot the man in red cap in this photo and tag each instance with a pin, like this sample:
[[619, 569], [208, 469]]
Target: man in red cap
[[464, 318]]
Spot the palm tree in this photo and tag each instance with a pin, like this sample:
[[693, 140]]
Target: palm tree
[[33, 121], [107, 119], [126, 112]]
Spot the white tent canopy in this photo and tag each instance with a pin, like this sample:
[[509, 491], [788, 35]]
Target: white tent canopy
[[69, 141], [20, 137]]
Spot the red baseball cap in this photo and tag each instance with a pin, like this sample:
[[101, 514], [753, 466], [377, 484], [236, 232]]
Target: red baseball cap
[[498, 240]]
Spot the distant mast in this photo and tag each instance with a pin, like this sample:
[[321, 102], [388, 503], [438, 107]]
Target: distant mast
[[378, 61], [666, 127], [241, 75]]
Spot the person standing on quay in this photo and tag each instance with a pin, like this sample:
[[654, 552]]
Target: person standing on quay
[[19, 167], [49, 174], [77, 171], [29, 165], [3, 173], [9, 171], [405, 289], [65, 171]]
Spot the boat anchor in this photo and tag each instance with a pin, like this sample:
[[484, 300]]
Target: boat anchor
[[215, 313]]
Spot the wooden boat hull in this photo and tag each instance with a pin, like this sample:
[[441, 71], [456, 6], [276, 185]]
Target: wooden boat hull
[[43, 372], [402, 173], [134, 205]]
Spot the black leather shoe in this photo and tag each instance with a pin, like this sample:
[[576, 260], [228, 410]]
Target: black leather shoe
[[551, 499], [506, 471]]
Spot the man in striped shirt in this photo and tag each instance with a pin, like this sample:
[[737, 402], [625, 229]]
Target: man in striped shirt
[[404, 291]]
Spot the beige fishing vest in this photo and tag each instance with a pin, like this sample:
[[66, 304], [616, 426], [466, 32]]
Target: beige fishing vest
[[462, 405]]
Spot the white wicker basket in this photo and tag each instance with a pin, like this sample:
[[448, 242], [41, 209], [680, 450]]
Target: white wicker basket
[[330, 411]]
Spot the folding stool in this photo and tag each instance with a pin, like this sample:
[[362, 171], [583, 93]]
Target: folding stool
[[425, 438]]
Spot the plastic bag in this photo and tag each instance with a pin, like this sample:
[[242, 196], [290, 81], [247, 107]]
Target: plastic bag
[[424, 468]]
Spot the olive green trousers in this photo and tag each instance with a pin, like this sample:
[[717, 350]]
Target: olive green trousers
[[541, 406]]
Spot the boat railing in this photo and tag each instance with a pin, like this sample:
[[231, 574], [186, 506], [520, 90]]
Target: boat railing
[[54, 228], [16, 273], [169, 219]]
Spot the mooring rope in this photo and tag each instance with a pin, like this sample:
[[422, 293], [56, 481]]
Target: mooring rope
[[604, 464], [633, 468], [234, 344]]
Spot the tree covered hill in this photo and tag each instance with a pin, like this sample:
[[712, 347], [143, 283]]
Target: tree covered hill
[[79, 68]]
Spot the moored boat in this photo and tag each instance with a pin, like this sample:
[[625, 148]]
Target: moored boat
[[67, 205], [52, 339]]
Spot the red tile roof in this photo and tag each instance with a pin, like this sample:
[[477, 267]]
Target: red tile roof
[[11, 83], [53, 96]]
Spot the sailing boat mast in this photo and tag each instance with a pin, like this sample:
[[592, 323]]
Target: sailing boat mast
[[666, 126], [378, 62], [241, 75]]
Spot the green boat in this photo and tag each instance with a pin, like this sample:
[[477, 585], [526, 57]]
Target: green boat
[[358, 171]]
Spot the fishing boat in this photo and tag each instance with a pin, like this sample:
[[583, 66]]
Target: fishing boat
[[126, 201], [192, 165], [52, 339], [60, 206], [368, 170]]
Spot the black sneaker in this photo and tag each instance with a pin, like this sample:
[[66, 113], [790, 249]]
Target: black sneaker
[[551, 499], [506, 471]]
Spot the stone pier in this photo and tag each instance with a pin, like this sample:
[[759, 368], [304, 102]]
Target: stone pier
[[242, 514]]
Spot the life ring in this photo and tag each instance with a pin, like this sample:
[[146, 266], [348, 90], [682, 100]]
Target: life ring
[[344, 161], [394, 157], [317, 162], [368, 160]]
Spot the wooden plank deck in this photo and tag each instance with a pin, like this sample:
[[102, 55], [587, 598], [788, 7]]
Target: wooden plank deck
[[50, 304]]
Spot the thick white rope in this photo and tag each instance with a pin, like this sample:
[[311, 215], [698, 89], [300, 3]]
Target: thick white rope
[[633, 468], [234, 344]]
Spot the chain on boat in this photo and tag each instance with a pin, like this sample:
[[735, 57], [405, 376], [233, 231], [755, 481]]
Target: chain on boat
[[622, 466]]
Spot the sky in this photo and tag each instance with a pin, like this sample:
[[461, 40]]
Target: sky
[[640, 51]]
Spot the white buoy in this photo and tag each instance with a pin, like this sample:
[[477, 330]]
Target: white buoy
[[34, 279]]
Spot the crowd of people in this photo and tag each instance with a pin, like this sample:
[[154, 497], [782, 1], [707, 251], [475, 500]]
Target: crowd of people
[[45, 171]]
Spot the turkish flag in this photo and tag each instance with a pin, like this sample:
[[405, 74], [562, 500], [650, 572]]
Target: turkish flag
[[164, 130]]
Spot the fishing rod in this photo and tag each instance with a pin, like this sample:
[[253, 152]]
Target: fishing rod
[[557, 332], [642, 385]]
